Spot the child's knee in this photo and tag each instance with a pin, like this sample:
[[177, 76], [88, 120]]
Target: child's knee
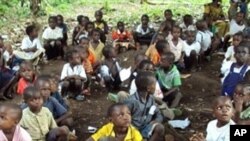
[[65, 84], [159, 129], [78, 83], [193, 53]]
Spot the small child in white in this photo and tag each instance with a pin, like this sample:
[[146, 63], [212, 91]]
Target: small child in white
[[218, 129]]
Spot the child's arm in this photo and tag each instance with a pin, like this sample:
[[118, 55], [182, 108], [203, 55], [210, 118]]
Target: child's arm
[[63, 117], [173, 90], [238, 109], [106, 28]]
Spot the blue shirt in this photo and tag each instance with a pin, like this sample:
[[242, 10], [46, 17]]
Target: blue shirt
[[60, 99]]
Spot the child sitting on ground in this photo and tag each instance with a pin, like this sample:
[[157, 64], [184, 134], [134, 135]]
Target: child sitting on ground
[[80, 30], [101, 25], [84, 43], [169, 79], [167, 25], [96, 46], [38, 121], [52, 39], [122, 38], [27, 75], [110, 69], [218, 129], [138, 58], [187, 23], [144, 32], [73, 76], [63, 26], [146, 117], [11, 61], [192, 50], [235, 72], [119, 126], [176, 46], [157, 48], [10, 130]]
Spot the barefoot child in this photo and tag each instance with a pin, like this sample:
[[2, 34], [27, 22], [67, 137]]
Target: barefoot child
[[119, 126], [96, 45], [10, 130]]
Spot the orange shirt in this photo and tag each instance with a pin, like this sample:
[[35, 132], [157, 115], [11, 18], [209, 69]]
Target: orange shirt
[[91, 57], [22, 84], [124, 36], [153, 54], [87, 66]]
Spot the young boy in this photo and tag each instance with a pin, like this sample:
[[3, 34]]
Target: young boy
[[80, 30], [144, 32], [100, 23], [167, 25], [95, 45], [11, 61], [218, 129], [52, 39], [192, 50], [235, 72], [10, 130], [169, 79], [119, 126], [31, 48], [237, 24], [187, 23], [73, 75], [146, 117], [63, 26], [84, 43], [38, 121]]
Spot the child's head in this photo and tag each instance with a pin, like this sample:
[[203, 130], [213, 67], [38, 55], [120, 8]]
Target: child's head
[[82, 20], [144, 20], [60, 19], [109, 52], [53, 83], [10, 115], [98, 15], [223, 110], [159, 36], [120, 26], [52, 22], [191, 35], [201, 25], [84, 53], [242, 53], [239, 17], [95, 34], [188, 19], [74, 57], [42, 83], [146, 65], [176, 32], [168, 14], [33, 98], [239, 89], [138, 58], [237, 38], [119, 115], [90, 26], [162, 46], [149, 81], [26, 71], [79, 19], [84, 42], [167, 60], [32, 31]]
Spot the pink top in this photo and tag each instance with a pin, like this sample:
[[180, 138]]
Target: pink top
[[19, 135]]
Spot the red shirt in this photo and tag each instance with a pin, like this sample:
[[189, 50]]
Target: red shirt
[[124, 36], [22, 84]]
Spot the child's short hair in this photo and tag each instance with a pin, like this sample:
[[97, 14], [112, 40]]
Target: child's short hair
[[160, 45], [147, 77], [98, 12], [176, 27], [187, 17], [240, 34], [26, 63], [106, 51], [145, 63], [120, 23], [145, 16], [52, 18], [83, 38], [16, 108], [30, 29], [30, 92], [112, 108], [168, 11], [199, 25], [70, 53], [219, 98], [60, 16], [95, 30], [169, 56], [79, 18]]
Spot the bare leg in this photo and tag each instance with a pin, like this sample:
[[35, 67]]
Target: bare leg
[[158, 133]]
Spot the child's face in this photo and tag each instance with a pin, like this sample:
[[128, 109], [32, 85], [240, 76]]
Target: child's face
[[239, 17], [204, 25], [176, 32], [53, 85], [151, 88], [148, 67], [144, 21], [189, 21], [9, 48], [96, 36], [76, 59], [90, 28], [52, 23], [121, 27], [98, 16], [121, 116], [34, 33], [164, 63], [7, 120], [241, 54], [113, 53], [236, 40], [35, 103], [168, 15], [26, 72], [83, 54], [223, 110], [84, 43], [190, 37], [59, 20], [45, 89], [84, 21]]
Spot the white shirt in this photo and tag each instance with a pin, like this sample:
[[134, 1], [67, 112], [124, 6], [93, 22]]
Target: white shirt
[[76, 70], [215, 133], [204, 38], [176, 49], [196, 46], [27, 43], [185, 28], [230, 53], [234, 27], [50, 33], [140, 30], [6, 56], [158, 93]]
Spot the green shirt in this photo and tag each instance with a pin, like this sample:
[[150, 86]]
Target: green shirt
[[245, 114], [170, 79]]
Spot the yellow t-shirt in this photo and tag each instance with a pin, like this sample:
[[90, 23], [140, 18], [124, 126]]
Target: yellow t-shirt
[[213, 11], [97, 51], [107, 131]]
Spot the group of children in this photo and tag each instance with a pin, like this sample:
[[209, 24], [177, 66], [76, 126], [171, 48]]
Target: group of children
[[154, 85]]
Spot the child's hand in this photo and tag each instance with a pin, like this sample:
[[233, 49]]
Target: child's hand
[[238, 103], [197, 137]]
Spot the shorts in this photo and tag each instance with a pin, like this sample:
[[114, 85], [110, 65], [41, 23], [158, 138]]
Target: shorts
[[5, 77], [147, 130]]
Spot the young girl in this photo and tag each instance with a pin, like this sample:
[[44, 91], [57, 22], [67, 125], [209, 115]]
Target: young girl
[[27, 77], [119, 126], [80, 30], [52, 37], [187, 24], [237, 24], [63, 26], [95, 45], [167, 25], [84, 43], [121, 37], [191, 51], [10, 130], [73, 76], [176, 46]]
